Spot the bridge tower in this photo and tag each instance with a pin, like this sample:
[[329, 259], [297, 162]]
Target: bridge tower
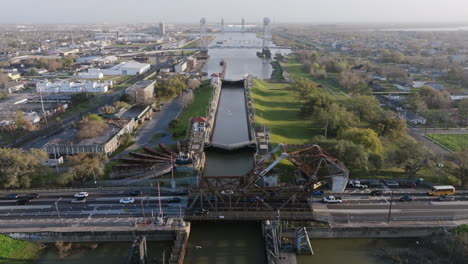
[[222, 25], [266, 38], [203, 36], [243, 25]]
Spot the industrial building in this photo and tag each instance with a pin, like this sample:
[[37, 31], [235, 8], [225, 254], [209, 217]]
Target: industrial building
[[124, 68], [68, 143], [141, 92], [73, 87]]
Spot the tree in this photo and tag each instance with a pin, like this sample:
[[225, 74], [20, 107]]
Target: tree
[[354, 82], [392, 128], [171, 86], [457, 166], [17, 166], [193, 84], [364, 137], [352, 155], [315, 103], [86, 166], [20, 119], [434, 99], [411, 156], [302, 88], [67, 62], [333, 118], [463, 111], [366, 107], [92, 126]]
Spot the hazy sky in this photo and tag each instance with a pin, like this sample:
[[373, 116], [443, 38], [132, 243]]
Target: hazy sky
[[116, 11]]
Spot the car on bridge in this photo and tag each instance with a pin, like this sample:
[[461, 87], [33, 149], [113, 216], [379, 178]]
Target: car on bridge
[[22, 201], [446, 198], [376, 193], [332, 199], [127, 200], [32, 196], [81, 195], [12, 196], [78, 200], [406, 198], [391, 183], [134, 193], [201, 212]]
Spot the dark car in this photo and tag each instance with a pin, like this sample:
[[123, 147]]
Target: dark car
[[406, 198], [32, 196], [134, 193], [174, 200], [376, 193], [318, 193], [11, 197], [408, 184], [183, 192], [201, 212], [22, 201]]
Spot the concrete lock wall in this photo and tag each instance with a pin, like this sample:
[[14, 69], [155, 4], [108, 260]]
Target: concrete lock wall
[[367, 232], [90, 236]]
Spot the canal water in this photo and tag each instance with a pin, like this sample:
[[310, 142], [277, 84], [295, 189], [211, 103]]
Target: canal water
[[225, 243], [231, 120]]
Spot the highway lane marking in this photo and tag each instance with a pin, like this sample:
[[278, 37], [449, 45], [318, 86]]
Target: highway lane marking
[[13, 207], [449, 202], [356, 211]]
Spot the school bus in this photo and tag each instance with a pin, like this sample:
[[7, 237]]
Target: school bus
[[442, 190]]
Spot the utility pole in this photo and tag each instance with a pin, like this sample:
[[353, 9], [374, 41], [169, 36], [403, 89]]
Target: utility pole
[[390, 208], [56, 208], [143, 208]]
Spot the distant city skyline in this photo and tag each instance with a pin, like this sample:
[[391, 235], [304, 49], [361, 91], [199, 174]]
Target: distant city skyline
[[184, 11]]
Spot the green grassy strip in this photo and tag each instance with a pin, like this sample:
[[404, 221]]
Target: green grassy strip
[[16, 251], [277, 109], [201, 100], [454, 142]]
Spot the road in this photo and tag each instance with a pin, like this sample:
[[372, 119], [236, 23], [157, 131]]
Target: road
[[99, 204]]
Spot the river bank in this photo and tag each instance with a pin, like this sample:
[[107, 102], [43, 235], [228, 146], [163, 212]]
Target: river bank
[[17, 251]]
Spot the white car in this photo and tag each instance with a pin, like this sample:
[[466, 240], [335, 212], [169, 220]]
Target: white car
[[127, 200], [227, 192], [81, 195]]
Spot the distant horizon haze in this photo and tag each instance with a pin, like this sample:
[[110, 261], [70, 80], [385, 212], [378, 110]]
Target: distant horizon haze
[[190, 11]]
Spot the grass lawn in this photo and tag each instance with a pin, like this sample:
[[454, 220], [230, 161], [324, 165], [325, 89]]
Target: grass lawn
[[296, 71], [16, 251], [455, 142], [198, 107], [278, 109]]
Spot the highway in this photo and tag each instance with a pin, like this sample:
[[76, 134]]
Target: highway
[[99, 204]]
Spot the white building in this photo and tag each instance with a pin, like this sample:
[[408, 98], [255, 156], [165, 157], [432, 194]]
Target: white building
[[181, 67], [88, 75], [73, 87], [124, 68]]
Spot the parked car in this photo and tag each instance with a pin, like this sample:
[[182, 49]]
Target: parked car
[[406, 198], [134, 193], [408, 184], [331, 199], [446, 198], [22, 201], [390, 183], [79, 200], [11, 197], [81, 195], [127, 200], [32, 196], [201, 212], [376, 193]]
